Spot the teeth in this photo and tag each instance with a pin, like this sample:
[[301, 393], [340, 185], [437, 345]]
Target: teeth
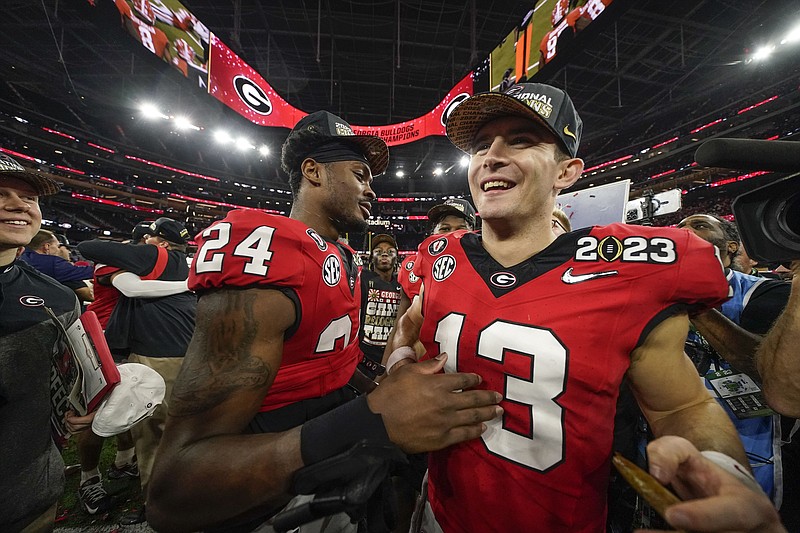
[[16, 222], [497, 184]]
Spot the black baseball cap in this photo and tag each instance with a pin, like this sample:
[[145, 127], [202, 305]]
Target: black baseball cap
[[169, 230], [329, 128], [454, 206], [43, 185], [140, 230], [548, 105]]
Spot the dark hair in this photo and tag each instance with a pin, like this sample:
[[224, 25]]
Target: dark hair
[[728, 228], [294, 151]]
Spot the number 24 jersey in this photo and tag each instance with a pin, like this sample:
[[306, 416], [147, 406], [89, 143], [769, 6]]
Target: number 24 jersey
[[553, 334], [251, 249]]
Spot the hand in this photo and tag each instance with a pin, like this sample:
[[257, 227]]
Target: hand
[[423, 411], [717, 501], [75, 423]]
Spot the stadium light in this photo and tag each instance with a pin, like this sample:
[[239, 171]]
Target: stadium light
[[183, 123], [763, 53], [263, 150], [464, 161], [149, 110], [437, 171], [243, 143], [793, 36], [399, 173], [222, 137]]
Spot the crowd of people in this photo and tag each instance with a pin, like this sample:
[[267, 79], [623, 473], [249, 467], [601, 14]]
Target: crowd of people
[[482, 384]]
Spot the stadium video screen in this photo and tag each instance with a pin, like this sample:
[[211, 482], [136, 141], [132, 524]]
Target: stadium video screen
[[170, 31], [552, 26]]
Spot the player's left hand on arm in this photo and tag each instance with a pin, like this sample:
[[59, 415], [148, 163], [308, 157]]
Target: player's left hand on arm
[[716, 500], [75, 423]]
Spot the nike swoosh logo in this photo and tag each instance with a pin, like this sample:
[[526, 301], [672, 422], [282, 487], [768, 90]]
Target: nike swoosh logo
[[567, 132], [567, 276]]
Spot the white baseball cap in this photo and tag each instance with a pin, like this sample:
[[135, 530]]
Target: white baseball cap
[[139, 391]]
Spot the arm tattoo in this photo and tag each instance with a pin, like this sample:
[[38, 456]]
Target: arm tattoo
[[220, 358]]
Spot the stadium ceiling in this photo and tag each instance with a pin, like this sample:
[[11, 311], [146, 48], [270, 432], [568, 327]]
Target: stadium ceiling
[[385, 61]]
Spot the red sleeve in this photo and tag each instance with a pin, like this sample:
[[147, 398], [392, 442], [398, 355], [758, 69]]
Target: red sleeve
[[408, 280], [700, 279], [249, 248]]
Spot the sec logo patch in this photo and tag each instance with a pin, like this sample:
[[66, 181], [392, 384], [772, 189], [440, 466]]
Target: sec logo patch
[[443, 267], [331, 270]]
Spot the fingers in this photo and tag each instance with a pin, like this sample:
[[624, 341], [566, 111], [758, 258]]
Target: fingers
[[76, 424], [666, 454], [430, 366]]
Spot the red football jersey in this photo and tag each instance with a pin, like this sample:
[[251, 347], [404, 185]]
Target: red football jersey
[[407, 279], [553, 334], [254, 249]]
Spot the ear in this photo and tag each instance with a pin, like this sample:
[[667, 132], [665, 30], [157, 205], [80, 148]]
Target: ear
[[733, 248], [312, 172], [570, 171]]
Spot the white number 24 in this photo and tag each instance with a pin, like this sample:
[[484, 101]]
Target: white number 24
[[255, 246]]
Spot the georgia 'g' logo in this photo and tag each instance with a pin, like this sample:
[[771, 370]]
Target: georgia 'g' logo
[[252, 95], [503, 279], [318, 240], [31, 301], [331, 271], [437, 246], [409, 265], [452, 105], [443, 267]]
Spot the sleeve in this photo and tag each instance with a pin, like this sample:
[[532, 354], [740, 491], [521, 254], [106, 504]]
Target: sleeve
[[137, 258], [407, 279], [63, 271], [700, 282], [133, 286], [249, 249], [765, 305]]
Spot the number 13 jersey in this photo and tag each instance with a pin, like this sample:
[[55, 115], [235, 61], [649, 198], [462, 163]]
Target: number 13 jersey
[[252, 249], [553, 334]]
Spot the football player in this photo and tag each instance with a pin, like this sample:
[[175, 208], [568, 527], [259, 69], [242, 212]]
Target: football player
[[554, 325], [264, 388]]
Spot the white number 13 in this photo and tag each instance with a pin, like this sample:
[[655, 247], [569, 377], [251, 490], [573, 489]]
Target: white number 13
[[544, 447]]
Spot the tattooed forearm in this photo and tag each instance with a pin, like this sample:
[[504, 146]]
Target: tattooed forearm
[[223, 356]]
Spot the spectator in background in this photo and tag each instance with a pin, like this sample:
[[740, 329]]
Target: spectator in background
[[560, 222], [380, 295], [109, 283], [156, 331], [31, 470], [44, 253]]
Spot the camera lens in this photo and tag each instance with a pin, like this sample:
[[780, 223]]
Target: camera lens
[[789, 216]]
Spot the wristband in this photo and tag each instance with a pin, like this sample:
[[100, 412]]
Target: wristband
[[734, 468], [403, 352], [338, 430]]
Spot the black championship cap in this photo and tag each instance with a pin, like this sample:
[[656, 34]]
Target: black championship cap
[[382, 237], [140, 230], [169, 230], [545, 104], [43, 185], [330, 129], [454, 206]]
